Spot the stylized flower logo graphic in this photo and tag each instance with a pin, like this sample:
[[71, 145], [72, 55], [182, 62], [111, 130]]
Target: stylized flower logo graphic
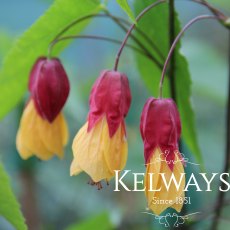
[[172, 220]]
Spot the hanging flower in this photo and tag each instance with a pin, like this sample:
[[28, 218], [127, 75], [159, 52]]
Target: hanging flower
[[43, 131], [161, 129], [100, 147]]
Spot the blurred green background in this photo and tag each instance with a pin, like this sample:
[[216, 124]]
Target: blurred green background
[[54, 200]]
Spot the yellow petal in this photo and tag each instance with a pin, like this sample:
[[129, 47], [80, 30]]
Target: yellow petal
[[28, 137], [75, 168], [90, 149], [116, 149], [172, 195], [39, 137], [23, 151], [179, 205], [64, 130], [53, 134], [154, 166]]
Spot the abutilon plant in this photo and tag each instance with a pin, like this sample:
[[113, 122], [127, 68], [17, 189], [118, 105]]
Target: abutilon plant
[[160, 128], [100, 147], [43, 131]]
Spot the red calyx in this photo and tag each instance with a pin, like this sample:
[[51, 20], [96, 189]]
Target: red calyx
[[160, 126], [110, 96], [49, 87]]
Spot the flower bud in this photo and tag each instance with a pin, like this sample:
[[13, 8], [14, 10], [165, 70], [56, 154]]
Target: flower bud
[[110, 96], [160, 127], [49, 86]]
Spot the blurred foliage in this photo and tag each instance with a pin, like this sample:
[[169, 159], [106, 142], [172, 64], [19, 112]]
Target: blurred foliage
[[220, 3], [9, 207], [101, 220], [125, 6], [5, 44]]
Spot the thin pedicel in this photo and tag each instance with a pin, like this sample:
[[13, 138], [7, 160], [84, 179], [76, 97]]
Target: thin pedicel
[[187, 26], [118, 21], [94, 37], [131, 29]]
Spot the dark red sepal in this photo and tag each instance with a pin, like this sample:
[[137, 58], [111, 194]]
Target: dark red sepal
[[160, 126], [49, 87], [35, 71], [110, 96]]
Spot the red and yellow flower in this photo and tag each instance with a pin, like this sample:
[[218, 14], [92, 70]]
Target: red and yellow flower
[[161, 129], [43, 131], [100, 147]]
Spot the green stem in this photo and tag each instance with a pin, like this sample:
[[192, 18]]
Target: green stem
[[172, 36], [221, 195]]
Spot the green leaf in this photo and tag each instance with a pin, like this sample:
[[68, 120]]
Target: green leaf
[[125, 6], [5, 43], [156, 23], [9, 207], [102, 221], [34, 43]]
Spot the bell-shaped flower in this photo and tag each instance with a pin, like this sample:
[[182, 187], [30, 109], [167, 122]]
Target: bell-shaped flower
[[160, 130], [100, 147], [43, 131]]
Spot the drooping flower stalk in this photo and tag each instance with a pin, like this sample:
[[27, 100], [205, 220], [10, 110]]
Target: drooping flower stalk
[[143, 34], [187, 26], [146, 10], [119, 21], [95, 37], [220, 16]]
